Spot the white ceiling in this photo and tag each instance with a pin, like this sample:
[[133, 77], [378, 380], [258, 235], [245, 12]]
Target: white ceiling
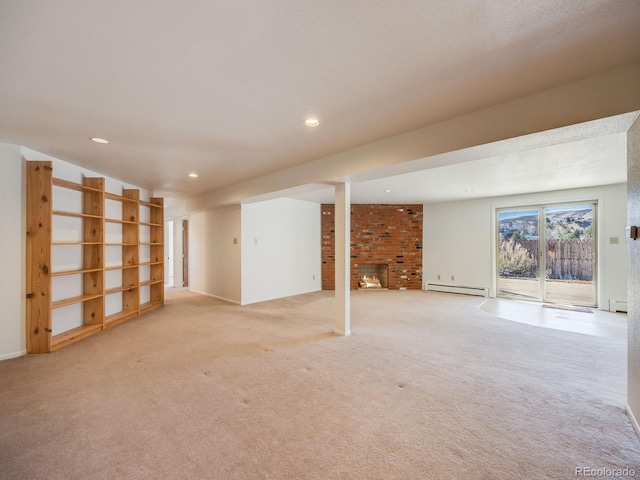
[[580, 163], [222, 87]]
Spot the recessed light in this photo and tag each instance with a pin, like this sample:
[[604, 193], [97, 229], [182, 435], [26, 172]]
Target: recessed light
[[193, 175], [388, 190], [312, 122], [469, 190], [99, 140]]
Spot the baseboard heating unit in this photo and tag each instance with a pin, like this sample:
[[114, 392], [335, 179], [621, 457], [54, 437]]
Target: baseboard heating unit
[[478, 291]]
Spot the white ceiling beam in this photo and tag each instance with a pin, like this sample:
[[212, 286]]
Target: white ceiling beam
[[597, 97]]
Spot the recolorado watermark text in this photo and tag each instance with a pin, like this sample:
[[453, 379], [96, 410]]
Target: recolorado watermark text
[[605, 472]]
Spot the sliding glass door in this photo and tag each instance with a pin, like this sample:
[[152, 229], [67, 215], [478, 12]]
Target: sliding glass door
[[518, 253], [547, 253], [570, 254]]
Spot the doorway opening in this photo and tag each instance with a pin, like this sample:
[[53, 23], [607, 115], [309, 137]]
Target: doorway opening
[[168, 266], [548, 253], [185, 253]]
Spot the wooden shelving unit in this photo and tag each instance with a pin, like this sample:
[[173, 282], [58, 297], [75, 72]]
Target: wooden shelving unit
[[43, 333], [130, 254], [156, 253]]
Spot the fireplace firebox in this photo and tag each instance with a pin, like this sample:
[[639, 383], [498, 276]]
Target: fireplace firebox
[[373, 276]]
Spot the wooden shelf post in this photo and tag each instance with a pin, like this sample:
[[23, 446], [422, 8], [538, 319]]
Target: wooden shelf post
[[39, 208]]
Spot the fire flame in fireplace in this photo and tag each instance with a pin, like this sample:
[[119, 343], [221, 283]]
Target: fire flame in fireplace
[[370, 282]]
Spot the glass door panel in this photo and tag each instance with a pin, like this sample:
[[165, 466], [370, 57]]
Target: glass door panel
[[518, 253], [570, 254]]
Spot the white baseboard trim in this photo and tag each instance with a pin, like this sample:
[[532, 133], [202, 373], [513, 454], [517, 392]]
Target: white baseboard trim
[[7, 356], [437, 287], [228, 300], [269, 299], [342, 333], [634, 422]]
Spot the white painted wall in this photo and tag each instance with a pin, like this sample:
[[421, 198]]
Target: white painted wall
[[12, 253], [214, 258], [459, 236], [281, 242]]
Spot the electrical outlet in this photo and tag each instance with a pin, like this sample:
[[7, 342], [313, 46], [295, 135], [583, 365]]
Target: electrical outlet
[[614, 240], [438, 277], [453, 278], [314, 277]]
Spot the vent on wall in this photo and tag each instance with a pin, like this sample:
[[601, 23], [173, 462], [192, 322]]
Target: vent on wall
[[479, 291]]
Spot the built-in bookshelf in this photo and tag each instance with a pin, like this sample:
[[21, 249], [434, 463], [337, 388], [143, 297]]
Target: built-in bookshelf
[[85, 256]]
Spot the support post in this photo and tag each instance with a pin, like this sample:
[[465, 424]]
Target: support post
[[343, 258]]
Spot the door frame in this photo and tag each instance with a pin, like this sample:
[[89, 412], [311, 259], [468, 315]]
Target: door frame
[[185, 252], [542, 247]]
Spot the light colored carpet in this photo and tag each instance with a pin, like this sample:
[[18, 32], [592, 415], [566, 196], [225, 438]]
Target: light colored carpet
[[428, 387]]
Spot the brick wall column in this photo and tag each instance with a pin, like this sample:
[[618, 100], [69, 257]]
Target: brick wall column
[[380, 234]]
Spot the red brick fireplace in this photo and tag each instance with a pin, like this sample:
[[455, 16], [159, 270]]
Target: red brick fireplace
[[380, 235]]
